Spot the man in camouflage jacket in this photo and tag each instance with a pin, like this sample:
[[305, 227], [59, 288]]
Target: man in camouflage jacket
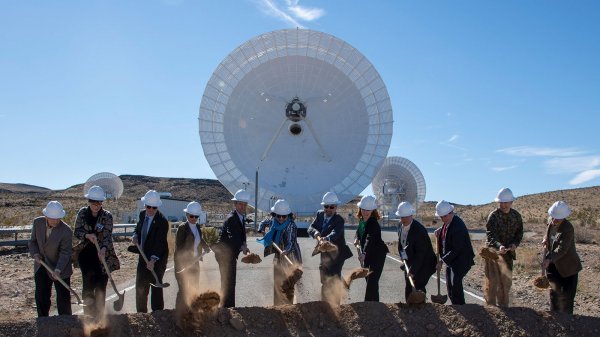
[[504, 233]]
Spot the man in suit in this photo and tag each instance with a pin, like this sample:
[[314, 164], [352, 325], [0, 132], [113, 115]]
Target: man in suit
[[151, 234], [329, 226], [232, 241], [415, 249], [457, 252], [51, 242]]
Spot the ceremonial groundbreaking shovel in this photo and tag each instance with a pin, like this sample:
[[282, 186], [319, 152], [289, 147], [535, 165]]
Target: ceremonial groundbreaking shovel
[[79, 302], [193, 263], [416, 296], [118, 304], [288, 285], [439, 298], [157, 284]]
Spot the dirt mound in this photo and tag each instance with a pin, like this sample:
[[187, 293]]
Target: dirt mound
[[320, 319]]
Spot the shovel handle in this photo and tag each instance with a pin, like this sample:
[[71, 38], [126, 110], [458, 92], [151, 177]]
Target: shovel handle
[[359, 252], [146, 260], [62, 282], [281, 253], [112, 282]]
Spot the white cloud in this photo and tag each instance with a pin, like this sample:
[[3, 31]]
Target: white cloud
[[585, 176], [531, 151], [453, 139], [572, 164], [505, 168], [290, 11]]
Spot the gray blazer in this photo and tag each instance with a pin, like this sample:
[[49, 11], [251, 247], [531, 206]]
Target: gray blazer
[[56, 250]]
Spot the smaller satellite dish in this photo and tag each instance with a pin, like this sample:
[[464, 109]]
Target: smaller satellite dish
[[110, 183], [398, 180]]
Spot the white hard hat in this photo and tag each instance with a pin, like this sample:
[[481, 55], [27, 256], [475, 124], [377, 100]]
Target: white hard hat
[[281, 207], [241, 196], [505, 195], [54, 210], [443, 208], [95, 193], [330, 198], [152, 198], [367, 203], [193, 208], [405, 209], [559, 210]]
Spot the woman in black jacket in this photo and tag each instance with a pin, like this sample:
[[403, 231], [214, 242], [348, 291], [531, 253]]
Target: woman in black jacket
[[374, 250], [188, 254]]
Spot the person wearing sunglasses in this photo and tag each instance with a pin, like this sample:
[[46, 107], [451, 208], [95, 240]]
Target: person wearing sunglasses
[[232, 241], [374, 250], [151, 235], [329, 226], [94, 224], [188, 254], [283, 232]]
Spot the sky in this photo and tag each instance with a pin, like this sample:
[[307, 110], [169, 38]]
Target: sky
[[485, 94]]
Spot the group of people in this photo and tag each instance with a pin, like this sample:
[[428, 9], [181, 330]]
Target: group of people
[[51, 244]]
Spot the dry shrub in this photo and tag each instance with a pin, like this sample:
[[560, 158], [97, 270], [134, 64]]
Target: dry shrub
[[585, 235], [528, 260]]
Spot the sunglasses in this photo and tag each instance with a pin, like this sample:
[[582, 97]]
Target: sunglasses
[[193, 216], [94, 202], [329, 206], [151, 207], [281, 216]]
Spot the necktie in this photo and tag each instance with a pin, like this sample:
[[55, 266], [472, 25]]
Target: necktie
[[145, 229], [325, 223]]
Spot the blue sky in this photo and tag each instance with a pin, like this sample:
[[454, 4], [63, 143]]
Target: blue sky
[[486, 94]]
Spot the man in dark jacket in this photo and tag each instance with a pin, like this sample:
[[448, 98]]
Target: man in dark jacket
[[151, 234], [232, 241], [457, 252], [414, 247], [329, 226]]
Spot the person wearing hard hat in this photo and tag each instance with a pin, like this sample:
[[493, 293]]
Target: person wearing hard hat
[[51, 242], [94, 224], [329, 226], [504, 229], [189, 247], [456, 250], [282, 232], [374, 250], [151, 235], [415, 249], [561, 261], [232, 241]]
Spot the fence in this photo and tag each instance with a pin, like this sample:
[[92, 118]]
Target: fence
[[13, 233]]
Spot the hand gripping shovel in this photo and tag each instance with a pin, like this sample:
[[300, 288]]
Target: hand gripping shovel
[[416, 296], [79, 302], [118, 304], [157, 284], [356, 273], [288, 285], [439, 298]]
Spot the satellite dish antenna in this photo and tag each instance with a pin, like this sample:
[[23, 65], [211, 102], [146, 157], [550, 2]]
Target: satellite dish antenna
[[398, 180], [305, 109], [110, 183]]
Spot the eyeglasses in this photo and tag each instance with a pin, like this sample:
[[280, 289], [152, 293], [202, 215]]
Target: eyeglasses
[[193, 216], [281, 216], [94, 202], [329, 206], [151, 207]]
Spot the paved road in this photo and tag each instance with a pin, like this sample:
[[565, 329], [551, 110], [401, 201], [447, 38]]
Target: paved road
[[255, 282]]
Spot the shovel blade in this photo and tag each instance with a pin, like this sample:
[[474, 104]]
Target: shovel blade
[[416, 297], [439, 299], [118, 304]]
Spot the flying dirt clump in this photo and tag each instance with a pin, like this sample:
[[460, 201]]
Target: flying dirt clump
[[252, 258]]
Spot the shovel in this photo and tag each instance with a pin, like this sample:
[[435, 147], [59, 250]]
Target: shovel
[[118, 304], [356, 273], [416, 296], [157, 284], [193, 263], [79, 302], [439, 298], [288, 284], [541, 281]]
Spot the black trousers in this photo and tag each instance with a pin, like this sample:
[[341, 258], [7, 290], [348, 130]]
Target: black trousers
[[228, 270], [562, 290], [454, 285], [143, 280], [43, 292], [94, 281], [375, 265], [330, 271]]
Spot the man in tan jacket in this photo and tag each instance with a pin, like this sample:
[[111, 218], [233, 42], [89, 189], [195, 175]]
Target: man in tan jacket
[[51, 242], [561, 261]]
